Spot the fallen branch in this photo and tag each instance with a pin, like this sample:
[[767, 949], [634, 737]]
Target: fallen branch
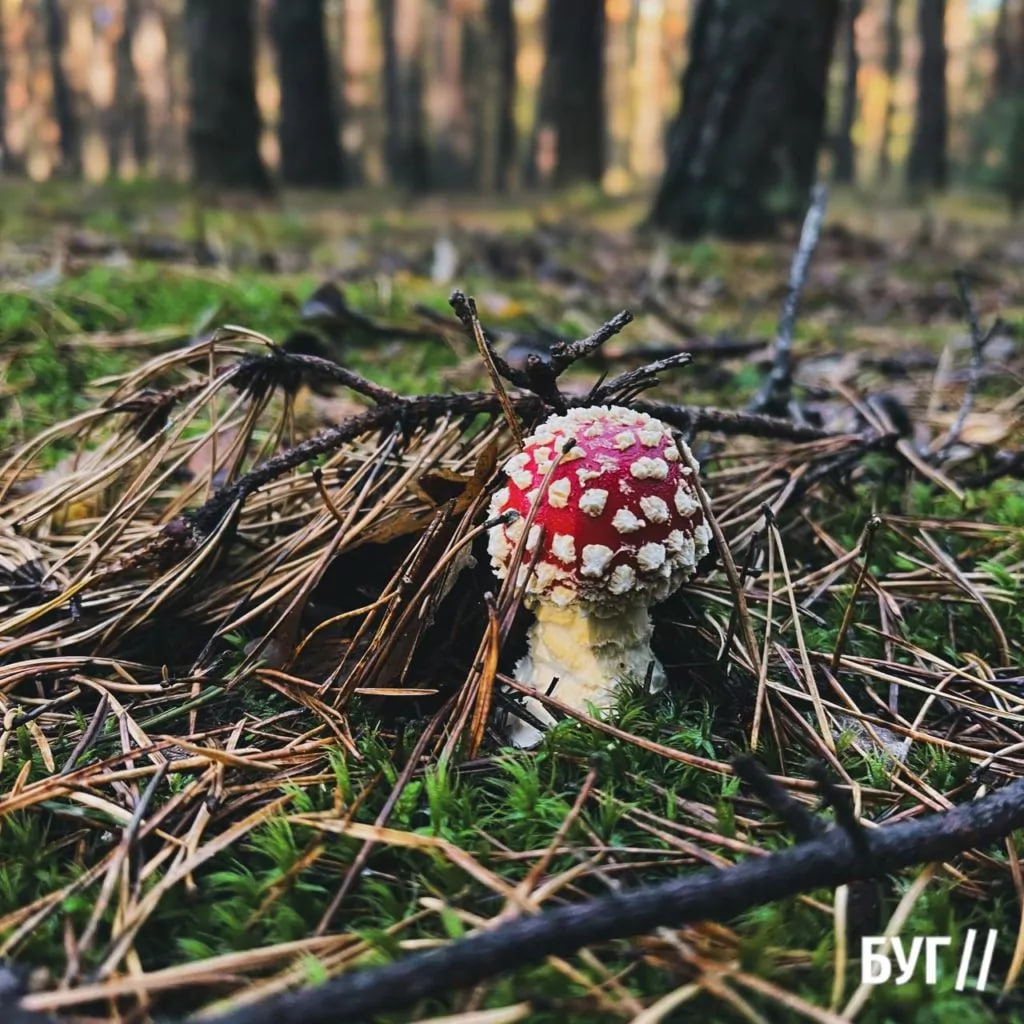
[[424, 408], [979, 339], [832, 859], [777, 391]]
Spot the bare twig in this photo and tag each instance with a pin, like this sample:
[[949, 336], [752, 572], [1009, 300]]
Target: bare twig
[[796, 817], [465, 310], [979, 339], [424, 408], [628, 385], [565, 353], [777, 391]]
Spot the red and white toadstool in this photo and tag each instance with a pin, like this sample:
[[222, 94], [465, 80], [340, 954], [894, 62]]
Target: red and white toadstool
[[619, 526]]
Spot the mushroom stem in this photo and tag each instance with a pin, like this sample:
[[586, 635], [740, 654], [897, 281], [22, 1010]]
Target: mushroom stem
[[590, 654]]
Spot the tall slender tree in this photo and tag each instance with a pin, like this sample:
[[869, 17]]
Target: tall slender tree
[[570, 120], [893, 60], [6, 156], [1002, 44], [68, 128], [129, 102], [405, 144], [927, 166], [1009, 95], [843, 170], [454, 41], [307, 129], [743, 150], [488, 86], [224, 120], [498, 124]]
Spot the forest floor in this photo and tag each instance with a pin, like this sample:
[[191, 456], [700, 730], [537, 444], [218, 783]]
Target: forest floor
[[190, 819]]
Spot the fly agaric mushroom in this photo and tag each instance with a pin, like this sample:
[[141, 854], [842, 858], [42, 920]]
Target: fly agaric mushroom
[[619, 528]]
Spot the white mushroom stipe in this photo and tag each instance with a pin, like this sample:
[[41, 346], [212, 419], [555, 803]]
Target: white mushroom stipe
[[613, 534]]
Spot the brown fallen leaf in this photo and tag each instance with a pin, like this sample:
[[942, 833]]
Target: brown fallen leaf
[[983, 428]]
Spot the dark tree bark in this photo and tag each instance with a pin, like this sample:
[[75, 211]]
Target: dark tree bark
[[455, 41], [1003, 46], [63, 102], [927, 164], [308, 125], [893, 60], [405, 143], [7, 161], [224, 121], [1009, 93], [129, 103], [844, 168], [571, 111], [743, 151], [501, 27], [493, 69]]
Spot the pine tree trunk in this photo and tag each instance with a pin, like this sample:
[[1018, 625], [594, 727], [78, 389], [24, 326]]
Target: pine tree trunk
[[893, 60], [1009, 87], [844, 169], [129, 102], [1003, 45], [743, 151], [927, 164], [69, 131], [454, 42], [224, 121], [570, 122], [7, 161], [405, 144], [308, 125], [497, 135]]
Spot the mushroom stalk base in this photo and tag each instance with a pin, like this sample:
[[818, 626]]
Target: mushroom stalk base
[[591, 655]]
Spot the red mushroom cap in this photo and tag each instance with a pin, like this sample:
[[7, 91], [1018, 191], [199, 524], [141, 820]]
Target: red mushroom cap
[[620, 517]]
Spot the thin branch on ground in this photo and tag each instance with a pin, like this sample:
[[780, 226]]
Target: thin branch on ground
[[800, 820], [424, 408], [777, 392], [628, 385], [835, 858], [565, 353], [979, 340], [465, 310]]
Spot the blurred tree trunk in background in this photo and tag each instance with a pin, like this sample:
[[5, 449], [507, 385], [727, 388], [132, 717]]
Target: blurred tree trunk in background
[[405, 145], [7, 161], [224, 121], [308, 123], [1009, 90], [893, 60], [171, 130], [497, 143], [129, 102], [844, 156], [63, 102], [927, 163], [570, 123], [1003, 47], [453, 83], [743, 151]]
